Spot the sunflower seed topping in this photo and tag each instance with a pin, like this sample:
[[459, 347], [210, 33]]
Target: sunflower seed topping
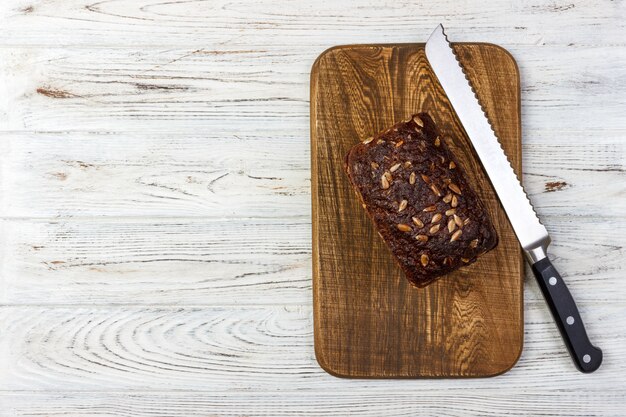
[[424, 259], [435, 190], [403, 227], [458, 221], [402, 205], [417, 222], [451, 225], [454, 188], [456, 235], [384, 182]]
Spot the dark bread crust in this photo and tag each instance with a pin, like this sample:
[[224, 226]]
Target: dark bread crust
[[437, 186]]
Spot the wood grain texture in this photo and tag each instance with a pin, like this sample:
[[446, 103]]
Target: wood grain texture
[[369, 321], [285, 22], [208, 262], [85, 174], [153, 92], [266, 87], [455, 402], [239, 349]]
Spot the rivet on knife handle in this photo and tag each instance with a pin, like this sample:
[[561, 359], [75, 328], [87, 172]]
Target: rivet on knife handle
[[531, 234]]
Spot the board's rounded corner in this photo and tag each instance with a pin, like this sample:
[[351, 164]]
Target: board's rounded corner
[[511, 365], [327, 51], [326, 366], [507, 53]]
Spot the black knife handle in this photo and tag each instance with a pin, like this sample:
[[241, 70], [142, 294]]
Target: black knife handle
[[587, 357]]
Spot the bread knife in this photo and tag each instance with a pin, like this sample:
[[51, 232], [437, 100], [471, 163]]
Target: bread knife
[[531, 234]]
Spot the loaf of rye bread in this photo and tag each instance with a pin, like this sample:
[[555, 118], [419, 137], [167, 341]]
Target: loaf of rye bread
[[420, 202]]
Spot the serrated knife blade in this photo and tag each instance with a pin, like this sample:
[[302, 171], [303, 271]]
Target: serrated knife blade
[[531, 234]]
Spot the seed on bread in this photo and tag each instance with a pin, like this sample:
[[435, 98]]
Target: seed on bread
[[394, 168], [424, 259], [454, 202], [417, 222], [458, 221], [456, 235], [436, 218], [450, 212], [452, 165], [403, 227], [435, 190], [434, 229], [422, 238], [454, 188], [418, 121], [429, 209], [402, 205], [368, 140], [384, 182], [412, 178], [451, 225]]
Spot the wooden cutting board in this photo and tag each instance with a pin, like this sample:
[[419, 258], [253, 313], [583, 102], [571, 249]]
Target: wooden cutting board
[[369, 321]]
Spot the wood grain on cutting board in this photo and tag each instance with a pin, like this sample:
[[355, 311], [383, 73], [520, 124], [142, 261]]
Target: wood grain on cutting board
[[369, 321]]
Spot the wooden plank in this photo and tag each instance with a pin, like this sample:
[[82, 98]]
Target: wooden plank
[[251, 349], [214, 175], [454, 402], [234, 173], [151, 22], [226, 87], [205, 262], [229, 262]]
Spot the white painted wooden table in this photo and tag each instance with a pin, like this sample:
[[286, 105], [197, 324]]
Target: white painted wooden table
[[155, 244]]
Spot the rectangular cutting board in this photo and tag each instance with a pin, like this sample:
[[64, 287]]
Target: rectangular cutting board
[[369, 322]]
